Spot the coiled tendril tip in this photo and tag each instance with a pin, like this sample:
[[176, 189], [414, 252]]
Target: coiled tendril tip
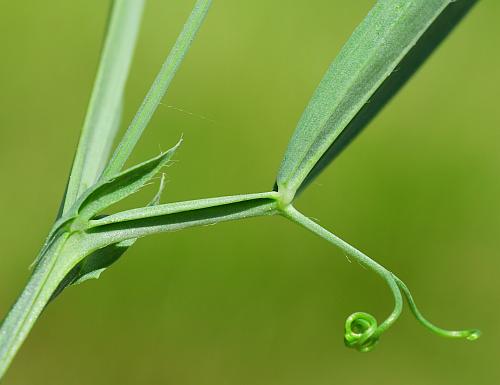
[[361, 332], [471, 335]]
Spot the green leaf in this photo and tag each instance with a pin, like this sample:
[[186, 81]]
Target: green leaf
[[104, 111], [158, 88], [381, 55], [117, 188]]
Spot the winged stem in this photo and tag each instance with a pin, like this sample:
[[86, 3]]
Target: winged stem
[[72, 245], [30, 304]]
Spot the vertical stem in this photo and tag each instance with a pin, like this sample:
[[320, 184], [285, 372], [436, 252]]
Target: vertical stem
[[21, 318]]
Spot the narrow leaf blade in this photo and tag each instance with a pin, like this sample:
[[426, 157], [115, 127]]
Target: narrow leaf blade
[[105, 107], [111, 191], [384, 51], [158, 88]]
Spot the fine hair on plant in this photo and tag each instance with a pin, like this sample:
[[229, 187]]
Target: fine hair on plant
[[383, 52]]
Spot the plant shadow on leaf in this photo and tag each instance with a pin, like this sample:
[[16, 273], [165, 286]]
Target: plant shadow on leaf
[[93, 265]]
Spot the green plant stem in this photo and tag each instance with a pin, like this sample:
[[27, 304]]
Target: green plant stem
[[30, 304], [139, 223], [296, 216], [68, 249]]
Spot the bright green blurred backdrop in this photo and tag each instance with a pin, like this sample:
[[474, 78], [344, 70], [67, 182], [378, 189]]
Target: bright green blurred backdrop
[[260, 302]]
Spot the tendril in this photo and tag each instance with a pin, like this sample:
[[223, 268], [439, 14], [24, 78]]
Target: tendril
[[469, 334], [362, 331], [363, 334]]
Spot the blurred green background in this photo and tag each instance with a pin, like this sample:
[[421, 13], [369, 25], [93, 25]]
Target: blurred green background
[[263, 301]]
